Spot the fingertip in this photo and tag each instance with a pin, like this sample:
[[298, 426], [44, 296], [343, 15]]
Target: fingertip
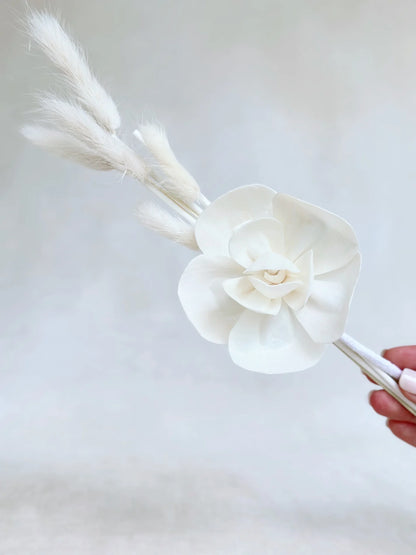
[[403, 356], [379, 400], [385, 405], [390, 353], [403, 430], [407, 383]]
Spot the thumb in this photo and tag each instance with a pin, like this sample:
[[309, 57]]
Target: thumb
[[407, 384]]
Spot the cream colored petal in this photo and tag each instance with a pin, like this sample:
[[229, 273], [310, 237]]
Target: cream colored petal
[[272, 261], [298, 298], [215, 225], [325, 314], [253, 239], [272, 344], [274, 291], [306, 227], [204, 300], [243, 292]]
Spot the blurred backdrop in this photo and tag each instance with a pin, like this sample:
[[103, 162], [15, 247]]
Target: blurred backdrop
[[122, 431]]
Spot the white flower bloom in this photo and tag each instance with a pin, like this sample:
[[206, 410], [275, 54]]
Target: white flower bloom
[[274, 280]]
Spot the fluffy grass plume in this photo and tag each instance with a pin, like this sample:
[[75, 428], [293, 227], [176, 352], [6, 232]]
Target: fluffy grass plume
[[179, 182], [73, 121], [83, 129], [156, 218], [48, 33], [65, 146]]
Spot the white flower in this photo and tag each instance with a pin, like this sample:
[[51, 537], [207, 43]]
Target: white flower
[[274, 280]]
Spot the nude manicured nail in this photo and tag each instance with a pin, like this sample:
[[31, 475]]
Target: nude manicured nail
[[408, 380]]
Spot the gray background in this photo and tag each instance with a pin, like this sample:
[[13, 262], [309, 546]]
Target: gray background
[[122, 431]]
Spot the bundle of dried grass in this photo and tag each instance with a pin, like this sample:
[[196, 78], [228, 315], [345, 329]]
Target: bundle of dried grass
[[84, 129]]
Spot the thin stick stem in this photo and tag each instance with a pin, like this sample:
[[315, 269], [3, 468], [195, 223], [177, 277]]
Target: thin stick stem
[[173, 204], [369, 362], [346, 342], [204, 201]]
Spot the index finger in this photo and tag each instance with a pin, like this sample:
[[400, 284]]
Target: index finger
[[403, 357]]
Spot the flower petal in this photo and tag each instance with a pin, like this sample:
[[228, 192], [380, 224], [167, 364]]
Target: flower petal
[[203, 298], [272, 344], [306, 226], [242, 291], [297, 299], [215, 225], [272, 261], [325, 314], [274, 291], [252, 239]]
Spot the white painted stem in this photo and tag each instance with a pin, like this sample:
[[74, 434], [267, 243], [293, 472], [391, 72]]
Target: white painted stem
[[138, 135], [204, 201], [380, 370], [172, 204], [346, 342]]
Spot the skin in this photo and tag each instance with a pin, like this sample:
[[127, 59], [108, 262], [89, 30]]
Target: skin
[[400, 422]]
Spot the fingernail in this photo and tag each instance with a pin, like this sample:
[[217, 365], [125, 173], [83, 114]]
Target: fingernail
[[408, 381]]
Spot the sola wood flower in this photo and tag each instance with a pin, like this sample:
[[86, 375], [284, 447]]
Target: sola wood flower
[[276, 274], [274, 281]]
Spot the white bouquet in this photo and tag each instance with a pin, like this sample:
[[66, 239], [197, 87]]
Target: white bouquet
[[275, 275]]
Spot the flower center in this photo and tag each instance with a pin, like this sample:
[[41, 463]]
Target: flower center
[[274, 277]]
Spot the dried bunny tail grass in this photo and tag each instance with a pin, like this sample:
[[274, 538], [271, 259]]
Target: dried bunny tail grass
[[179, 183], [65, 146], [84, 130], [155, 218], [47, 32], [70, 119]]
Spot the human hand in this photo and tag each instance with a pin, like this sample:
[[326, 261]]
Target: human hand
[[399, 420]]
